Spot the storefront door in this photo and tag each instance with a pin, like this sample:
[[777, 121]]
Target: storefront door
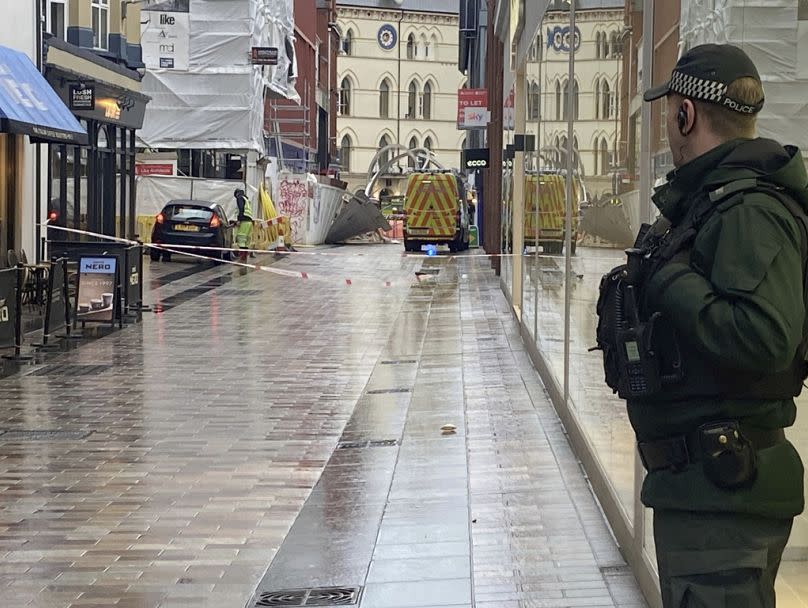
[[9, 193]]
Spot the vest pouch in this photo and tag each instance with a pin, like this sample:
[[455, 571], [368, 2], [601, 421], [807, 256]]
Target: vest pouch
[[729, 459]]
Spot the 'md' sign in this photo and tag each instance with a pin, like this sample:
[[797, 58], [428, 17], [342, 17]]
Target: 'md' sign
[[96, 293], [82, 97]]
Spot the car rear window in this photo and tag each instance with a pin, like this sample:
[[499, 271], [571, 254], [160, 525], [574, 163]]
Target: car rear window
[[182, 213]]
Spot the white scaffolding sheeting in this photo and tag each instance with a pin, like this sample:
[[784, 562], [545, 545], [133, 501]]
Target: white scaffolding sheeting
[[218, 101], [775, 35]]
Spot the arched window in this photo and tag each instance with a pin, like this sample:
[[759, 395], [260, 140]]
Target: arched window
[[614, 44], [598, 42], [604, 157], [411, 47], [575, 92], [425, 45], [385, 157], [558, 100], [565, 90], [384, 99], [412, 100], [347, 43], [426, 110], [428, 144], [410, 160], [344, 104], [345, 147], [605, 99], [433, 47], [533, 101]]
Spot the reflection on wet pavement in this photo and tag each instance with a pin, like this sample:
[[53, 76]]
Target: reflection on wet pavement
[[266, 418]]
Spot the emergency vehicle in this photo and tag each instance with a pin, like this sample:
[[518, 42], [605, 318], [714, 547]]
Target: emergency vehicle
[[435, 211]]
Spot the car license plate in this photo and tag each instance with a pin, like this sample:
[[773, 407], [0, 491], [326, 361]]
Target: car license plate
[[186, 228], [418, 230]]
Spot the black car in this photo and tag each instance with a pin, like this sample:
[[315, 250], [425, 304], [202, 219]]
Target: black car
[[194, 223]]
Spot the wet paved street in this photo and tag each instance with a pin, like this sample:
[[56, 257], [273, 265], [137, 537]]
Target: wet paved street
[[263, 436]]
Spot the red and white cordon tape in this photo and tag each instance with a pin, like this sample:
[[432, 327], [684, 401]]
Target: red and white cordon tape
[[184, 250]]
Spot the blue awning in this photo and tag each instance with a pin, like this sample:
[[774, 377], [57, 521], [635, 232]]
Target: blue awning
[[30, 106]]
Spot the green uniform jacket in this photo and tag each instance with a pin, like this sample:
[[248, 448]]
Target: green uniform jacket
[[737, 304]]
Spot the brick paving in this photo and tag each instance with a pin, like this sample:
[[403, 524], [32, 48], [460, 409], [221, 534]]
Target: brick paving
[[219, 416]]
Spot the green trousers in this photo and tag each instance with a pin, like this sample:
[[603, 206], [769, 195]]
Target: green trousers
[[718, 560], [243, 234]]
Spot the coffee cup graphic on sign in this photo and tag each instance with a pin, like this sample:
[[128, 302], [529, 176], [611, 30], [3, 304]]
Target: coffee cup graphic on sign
[[96, 289]]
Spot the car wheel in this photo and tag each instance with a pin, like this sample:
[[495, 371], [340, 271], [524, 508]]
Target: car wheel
[[154, 254]]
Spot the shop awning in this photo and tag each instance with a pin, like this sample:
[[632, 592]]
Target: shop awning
[[29, 106]]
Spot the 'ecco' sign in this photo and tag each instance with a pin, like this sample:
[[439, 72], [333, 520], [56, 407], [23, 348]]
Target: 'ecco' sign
[[476, 158]]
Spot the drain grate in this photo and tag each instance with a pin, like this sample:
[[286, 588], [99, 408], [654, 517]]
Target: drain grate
[[239, 292], [358, 445], [428, 271], [399, 361], [383, 391], [64, 369], [615, 570], [322, 596], [43, 435]]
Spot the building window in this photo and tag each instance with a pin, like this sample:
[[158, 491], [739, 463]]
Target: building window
[[384, 99], [575, 92], [384, 159], [347, 43], [604, 157], [558, 100], [345, 154], [428, 144], [411, 51], [605, 99], [614, 45], [533, 101], [411, 162], [344, 104], [100, 15], [57, 14], [426, 110], [433, 47], [412, 100]]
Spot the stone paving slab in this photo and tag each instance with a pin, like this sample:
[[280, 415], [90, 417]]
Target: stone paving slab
[[216, 428]]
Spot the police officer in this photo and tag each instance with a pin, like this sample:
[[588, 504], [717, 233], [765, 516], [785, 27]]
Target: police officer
[[723, 270], [245, 222]]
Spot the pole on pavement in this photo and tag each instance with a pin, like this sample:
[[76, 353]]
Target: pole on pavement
[[571, 103]]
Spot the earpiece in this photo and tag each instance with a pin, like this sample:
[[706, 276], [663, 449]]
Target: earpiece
[[681, 118]]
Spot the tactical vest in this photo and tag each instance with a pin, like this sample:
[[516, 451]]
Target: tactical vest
[[697, 376]]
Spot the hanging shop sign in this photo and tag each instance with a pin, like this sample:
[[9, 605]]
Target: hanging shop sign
[[387, 37], [476, 158], [264, 55], [81, 96], [111, 104], [97, 293], [154, 169], [558, 38], [469, 100], [165, 39], [508, 112]]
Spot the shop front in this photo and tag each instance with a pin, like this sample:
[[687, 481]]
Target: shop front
[[578, 80], [28, 106], [92, 187]]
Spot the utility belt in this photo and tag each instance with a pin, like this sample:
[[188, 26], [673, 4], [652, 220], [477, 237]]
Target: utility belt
[[727, 450]]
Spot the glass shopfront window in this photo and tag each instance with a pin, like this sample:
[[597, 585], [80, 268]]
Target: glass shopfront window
[[619, 152]]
